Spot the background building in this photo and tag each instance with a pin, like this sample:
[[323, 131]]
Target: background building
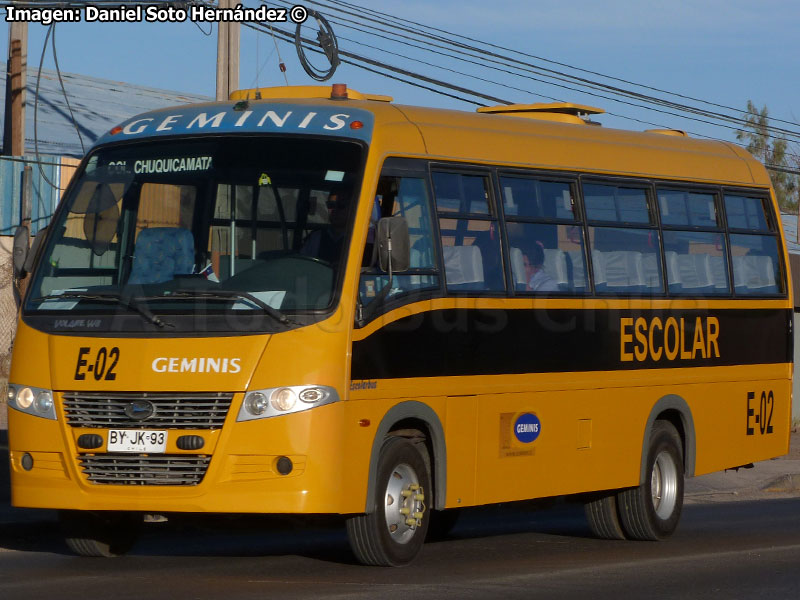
[[97, 105]]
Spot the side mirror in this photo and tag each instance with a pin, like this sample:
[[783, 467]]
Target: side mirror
[[20, 253], [393, 244], [34, 251]]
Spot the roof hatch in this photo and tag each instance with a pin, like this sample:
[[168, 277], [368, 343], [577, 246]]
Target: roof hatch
[[561, 112]]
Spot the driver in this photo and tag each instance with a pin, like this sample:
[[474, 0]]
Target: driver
[[326, 243]]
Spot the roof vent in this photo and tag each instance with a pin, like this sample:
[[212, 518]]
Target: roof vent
[[561, 112], [675, 132]]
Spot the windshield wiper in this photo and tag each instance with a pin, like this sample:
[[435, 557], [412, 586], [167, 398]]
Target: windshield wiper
[[126, 301], [228, 294]]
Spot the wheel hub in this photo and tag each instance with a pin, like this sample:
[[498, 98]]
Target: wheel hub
[[664, 485], [404, 503]]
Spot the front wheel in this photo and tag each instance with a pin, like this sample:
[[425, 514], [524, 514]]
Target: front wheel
[[652, 510], [99, 534], [393, 534]]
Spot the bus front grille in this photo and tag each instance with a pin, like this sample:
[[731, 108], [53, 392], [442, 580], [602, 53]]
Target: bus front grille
[[124, 469], [169, 410]]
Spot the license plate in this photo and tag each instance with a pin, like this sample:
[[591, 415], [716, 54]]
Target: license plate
[[137, 440]]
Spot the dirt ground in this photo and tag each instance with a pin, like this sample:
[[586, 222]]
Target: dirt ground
[[794, 447]]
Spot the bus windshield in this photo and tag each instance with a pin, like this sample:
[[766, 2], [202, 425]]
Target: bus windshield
[[207, 226]]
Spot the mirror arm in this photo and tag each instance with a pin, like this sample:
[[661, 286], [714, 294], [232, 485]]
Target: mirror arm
[[365, 314]]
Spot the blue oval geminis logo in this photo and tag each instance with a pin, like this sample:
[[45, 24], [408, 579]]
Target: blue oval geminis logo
[[527, 428], [139, 410]]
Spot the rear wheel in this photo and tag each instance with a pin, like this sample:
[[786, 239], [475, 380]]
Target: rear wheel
[[393, 534], [652, 510], [601, 512], [99, 534]]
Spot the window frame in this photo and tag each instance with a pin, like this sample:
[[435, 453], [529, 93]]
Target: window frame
[[774, 231], [579, 220], [648, 185], [719, 209], [490, 174]]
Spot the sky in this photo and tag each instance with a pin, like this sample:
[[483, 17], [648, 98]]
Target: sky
[[722, 51]]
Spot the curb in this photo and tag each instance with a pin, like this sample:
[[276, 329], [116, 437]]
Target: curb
[[786, 483]]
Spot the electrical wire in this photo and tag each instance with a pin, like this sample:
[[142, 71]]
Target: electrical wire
[[64, 90], [36, 111], [281, 64], [548, 72], [501, 101], [547, 60], [287, 37], [353, 59], [614, 89], [566, 87], [400, 71]]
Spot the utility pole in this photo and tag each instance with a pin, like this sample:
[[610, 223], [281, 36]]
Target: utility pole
[[227, 54], [14, 123]]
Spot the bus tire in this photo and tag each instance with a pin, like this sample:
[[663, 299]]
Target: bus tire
[[652, 510], [603, 517], [99, 534], [385, 537]]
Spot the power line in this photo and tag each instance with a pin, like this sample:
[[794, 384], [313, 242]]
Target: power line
[[566, 87], [355, 58], [398, 70], [543, 59], [528, 67]]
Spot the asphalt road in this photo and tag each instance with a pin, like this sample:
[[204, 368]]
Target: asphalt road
[[728, 550], [748, 548]]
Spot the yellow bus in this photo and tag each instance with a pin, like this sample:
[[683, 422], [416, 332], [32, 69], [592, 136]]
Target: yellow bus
[[314, 301]]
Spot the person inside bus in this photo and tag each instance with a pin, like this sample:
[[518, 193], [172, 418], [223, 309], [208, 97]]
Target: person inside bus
[[326, 243], [538, 279]]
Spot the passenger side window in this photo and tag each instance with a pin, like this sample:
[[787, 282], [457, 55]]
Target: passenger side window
[[754, 246], [469, 232], [623, 239], [695, 249], [746, 213], [545, 237], [616, 204]]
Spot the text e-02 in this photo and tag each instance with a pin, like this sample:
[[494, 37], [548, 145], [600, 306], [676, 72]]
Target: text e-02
[[100, 364], [759, 412]]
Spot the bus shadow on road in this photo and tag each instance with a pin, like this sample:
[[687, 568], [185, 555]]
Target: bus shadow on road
[[324, 538], [318, 538]]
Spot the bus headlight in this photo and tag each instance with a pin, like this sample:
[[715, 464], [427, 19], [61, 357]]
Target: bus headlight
[[256, 403], [272, 402], [32, 400], [24, 398], [283, 399], [43, 402]]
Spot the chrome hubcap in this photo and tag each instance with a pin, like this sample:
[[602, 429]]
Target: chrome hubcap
[[404, 503], [664, 485]]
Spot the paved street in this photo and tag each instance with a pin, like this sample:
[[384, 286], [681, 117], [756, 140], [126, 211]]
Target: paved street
[[739, 538]]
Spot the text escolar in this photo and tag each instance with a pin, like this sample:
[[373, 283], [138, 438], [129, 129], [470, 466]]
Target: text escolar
[[655, 339]]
